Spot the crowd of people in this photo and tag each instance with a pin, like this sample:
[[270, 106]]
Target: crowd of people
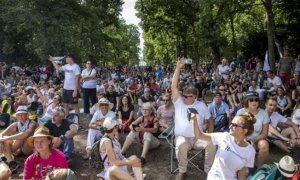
[[234, 112]]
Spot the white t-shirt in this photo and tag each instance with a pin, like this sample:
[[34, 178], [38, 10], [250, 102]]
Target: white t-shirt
[[98, 115], [276, 81], [184, 127], [91, 84], [276, 118], [230, 157], [223, 71], [296, 117], [70, 72], [261, 117]]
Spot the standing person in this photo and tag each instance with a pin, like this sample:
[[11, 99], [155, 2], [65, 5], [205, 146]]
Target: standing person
[[297, 70], [234, 155], [184, 137], [261, 126], [286, 67], [89, 83], [45, 159], [13, 138], [71, 82]]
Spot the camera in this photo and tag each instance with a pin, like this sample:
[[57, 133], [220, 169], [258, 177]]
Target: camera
[[186, 61], [134, 126]]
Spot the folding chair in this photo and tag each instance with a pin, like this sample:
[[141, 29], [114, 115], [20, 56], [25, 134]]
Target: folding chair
[[192, 154], [167, 134]]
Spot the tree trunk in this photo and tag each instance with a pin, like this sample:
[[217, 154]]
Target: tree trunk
[[233, 36], [270, 32]]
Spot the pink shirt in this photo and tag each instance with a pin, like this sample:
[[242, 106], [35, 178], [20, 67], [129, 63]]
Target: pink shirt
[[37, 168]]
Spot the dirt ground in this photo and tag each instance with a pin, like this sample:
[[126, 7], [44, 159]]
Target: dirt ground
[[156, 168]]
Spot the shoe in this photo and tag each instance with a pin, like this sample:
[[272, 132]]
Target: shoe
[[87, 155], [143, 161], [13, 166], [180, 176]]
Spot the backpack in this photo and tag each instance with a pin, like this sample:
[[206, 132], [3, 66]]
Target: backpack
[[96, 161], [4, 118], [266, 172]]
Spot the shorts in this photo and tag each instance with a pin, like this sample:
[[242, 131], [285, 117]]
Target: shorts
[[68, 97], [297, 73]]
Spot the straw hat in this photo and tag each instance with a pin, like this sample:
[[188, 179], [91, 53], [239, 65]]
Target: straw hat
[[287, 166], [105, 101], [40, 131]]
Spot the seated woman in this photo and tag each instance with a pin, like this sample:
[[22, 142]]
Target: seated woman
[[165, 113], [284, 103], [45, 159], [143, 129], [126, 112], [261, 126], [282, 132], [116, 166], [7, 108], [49, 111], [234, 155]]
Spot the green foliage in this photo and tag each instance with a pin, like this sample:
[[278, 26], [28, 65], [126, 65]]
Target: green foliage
[[32, 29], [211, 29]]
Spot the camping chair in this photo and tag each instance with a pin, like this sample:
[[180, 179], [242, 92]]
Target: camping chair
[[191, 156], [167, 134]]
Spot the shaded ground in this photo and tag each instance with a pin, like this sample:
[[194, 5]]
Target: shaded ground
[[158, 160]]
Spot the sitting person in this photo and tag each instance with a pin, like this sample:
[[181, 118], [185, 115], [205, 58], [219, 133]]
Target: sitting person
[[261, 126], [165, 113], [234, 155], [5, 172], [143, 129], [7, 107], [219, 111], [13, 138], [146, 97], [126, 112], [62, 131], [284, 102], [49, 111], [116, 166], [286, 138], [95, 127], [45, 159]]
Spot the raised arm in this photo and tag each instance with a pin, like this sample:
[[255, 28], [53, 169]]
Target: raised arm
[[198, 134], [175, 79], [56, 66]]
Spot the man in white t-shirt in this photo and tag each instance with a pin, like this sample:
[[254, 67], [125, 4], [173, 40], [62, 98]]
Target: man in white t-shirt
[[89, 83], [274, 80], [95, 126], [71, 82], [291, 133], [183, 129]]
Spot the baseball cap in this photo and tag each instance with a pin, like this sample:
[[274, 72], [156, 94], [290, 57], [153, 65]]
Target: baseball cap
[[251, 94]]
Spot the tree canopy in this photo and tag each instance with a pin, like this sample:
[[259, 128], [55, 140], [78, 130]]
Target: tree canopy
[[32, 29], [211, 29]]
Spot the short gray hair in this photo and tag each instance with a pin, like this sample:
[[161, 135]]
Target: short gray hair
[[59, 109]]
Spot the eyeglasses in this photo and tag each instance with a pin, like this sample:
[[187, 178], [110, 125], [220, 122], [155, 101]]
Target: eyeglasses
[[236, 125], [165, 100], [185, 96], [255, 99]]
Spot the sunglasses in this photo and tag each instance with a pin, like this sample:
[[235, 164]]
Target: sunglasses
[[185, 96], [255, 99], [236, 125], [103, 104], [221, 89]]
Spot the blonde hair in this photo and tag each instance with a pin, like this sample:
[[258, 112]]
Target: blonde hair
[[247, 120]]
